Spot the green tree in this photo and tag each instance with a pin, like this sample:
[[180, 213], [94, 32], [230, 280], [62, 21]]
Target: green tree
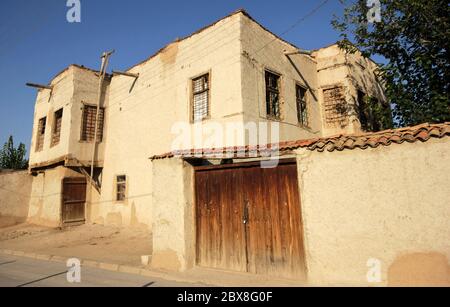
[[413, 36], [13, 158]]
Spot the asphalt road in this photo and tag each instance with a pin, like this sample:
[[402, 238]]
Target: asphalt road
[[26, 272]]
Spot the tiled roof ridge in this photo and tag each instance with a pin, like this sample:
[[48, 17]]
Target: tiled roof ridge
[[340, 142], [421, 133]]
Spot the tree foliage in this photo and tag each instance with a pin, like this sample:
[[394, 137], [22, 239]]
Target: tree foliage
[[413, 36], [11, 157]]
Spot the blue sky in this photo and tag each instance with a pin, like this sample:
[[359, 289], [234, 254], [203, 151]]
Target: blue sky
[[36, 41]]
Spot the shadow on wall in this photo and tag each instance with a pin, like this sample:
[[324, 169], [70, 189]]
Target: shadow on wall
[[420, 269], [15, 192]]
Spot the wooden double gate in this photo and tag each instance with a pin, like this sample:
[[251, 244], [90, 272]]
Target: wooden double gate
[[249, 219], [74, 200]]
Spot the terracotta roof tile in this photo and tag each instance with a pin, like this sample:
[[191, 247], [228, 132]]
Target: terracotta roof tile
[[421, 133]]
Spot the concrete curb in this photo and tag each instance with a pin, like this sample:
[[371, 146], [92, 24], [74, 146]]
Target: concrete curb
[[113, 267], [87, 263], [127, 269]]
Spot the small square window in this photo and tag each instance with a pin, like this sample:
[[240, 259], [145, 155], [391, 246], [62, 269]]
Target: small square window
[[121, 186]]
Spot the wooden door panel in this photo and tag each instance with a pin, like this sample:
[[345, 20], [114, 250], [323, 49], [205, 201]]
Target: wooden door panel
[[74, 200], [220, 240], [270, 242]]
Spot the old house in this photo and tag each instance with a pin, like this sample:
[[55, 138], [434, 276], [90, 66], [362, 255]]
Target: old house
[[232, 72]]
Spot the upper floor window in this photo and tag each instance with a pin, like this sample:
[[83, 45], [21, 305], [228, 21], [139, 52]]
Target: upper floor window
[[362, 111], [200, 90], [41, 134], [272, 95], [56, 134], [121, 187], [88, 123], [336, 107], [370, 120], [302, 108]]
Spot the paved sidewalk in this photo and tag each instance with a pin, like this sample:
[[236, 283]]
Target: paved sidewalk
[[115, 250], [25, 272], [109, 244]]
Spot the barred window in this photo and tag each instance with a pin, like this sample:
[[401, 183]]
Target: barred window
[[41, 134], [121, 186], [302, 108], [336, 108], [88, 123], [272, 95], [56, 135], [200, 91]]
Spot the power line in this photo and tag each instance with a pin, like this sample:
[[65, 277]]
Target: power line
[[297, 23], [196, 43], [157, 69]]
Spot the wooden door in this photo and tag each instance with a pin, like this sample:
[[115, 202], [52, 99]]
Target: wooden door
[[248, 219], [74, 200], [220, 235]]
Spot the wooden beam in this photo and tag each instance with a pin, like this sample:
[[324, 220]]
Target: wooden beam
[[127, 74], [90, 179], [40, 86], [300, 51]]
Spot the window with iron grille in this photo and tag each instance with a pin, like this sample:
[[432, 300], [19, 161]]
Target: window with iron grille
[[273, 95], [302, 108], [88, 124], [200, 89], [56, 135], [336, 108], [121, 186], [41, 134]]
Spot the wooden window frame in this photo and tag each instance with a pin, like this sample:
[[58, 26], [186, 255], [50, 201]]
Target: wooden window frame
[[40, 137], [303, 121], [100, 132], [118, 182], [56, 131], [194, 93], [269, 90]]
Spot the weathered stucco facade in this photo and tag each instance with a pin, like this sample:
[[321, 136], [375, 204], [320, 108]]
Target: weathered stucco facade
[[384, 204], [15, 191], [374, 208], [143, 116], [367, 197]]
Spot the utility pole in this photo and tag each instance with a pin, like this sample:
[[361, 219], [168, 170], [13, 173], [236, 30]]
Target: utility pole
[[105, 59], [104, 66]]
